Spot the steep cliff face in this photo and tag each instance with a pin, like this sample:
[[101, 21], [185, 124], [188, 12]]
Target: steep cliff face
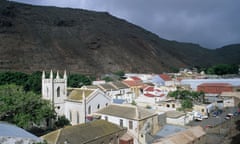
[[35, 38]]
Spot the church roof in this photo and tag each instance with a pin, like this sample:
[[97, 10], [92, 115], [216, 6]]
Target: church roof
[[83, 133], [119, 85], [77, 94], [92, 87], [127, 111], [106, 87]]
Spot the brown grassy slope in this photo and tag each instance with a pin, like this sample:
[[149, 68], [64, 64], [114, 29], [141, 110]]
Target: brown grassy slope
[[36, 38]]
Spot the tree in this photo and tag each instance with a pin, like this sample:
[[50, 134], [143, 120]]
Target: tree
[[17, 78], [34, 82], [61, 122], [222, 69], [23, 108], [186, 104], [108, 79], [119, 73], [78, 80]]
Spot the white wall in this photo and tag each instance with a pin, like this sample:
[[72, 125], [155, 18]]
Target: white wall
[[96, 99], [116, 120]]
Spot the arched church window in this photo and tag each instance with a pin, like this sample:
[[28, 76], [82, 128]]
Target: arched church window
[[89, 110], [58, 92], [98, 106], [47, 92], [70, 115]]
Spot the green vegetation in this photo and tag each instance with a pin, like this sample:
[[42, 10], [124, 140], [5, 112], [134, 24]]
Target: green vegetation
[[134, 103], [108, 79], [61, 122], [119, 73], [186, 104], [222, 69], [187, 97], [21, 103], [24, 109], [78, 80], [32, 82], [17, 78]]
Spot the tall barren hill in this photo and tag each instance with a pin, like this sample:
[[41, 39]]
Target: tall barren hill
[[36, 38]]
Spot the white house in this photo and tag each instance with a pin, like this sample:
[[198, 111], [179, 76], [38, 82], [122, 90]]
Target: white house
[[230, 99], [178, 118], [140, 121], [82, 103]]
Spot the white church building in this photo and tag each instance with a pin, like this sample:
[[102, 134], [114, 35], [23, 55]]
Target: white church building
[[78, 104], [55, 90]]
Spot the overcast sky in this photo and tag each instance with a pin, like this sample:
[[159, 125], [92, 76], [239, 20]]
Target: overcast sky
[[210, 23]]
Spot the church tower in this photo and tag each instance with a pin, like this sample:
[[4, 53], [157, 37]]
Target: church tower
[[55, 90]]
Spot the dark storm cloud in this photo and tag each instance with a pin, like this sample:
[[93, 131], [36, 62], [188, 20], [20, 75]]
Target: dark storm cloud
[[210, 23]]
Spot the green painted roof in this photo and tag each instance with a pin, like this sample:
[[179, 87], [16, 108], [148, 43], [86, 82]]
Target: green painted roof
[[77, 94], [83, 133]]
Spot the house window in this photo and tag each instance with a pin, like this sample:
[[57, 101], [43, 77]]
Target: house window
[[106, 104], [202, 110], [130, 125], [78, 117], [121, 123], [89, 110], [106, 118], [168, 105], [58, 92], [173, 105], [98, 106]]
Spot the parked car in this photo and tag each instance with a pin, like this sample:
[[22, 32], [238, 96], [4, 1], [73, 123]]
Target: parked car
[[236, 113], [205, 117], [228, 116], [198, 119], [217, 112], [208, 126]]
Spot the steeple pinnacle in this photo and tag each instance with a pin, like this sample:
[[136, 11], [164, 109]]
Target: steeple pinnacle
[[43, 75], [57, 77], [51, 75]]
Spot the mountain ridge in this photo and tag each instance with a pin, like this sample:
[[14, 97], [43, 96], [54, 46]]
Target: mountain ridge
[[37, 37]]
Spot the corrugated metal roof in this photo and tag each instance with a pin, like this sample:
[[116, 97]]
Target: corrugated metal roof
[[216, 84], [9, 130], [169, 130]]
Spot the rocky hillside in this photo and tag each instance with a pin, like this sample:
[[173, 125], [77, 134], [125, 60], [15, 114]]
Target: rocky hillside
[[35, 38]]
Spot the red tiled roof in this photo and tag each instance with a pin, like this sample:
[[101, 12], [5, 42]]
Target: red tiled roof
[[165, 77], [132, 83], [150, 88], [149, 95], [161, 95], [215, 84], [135, 78]]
